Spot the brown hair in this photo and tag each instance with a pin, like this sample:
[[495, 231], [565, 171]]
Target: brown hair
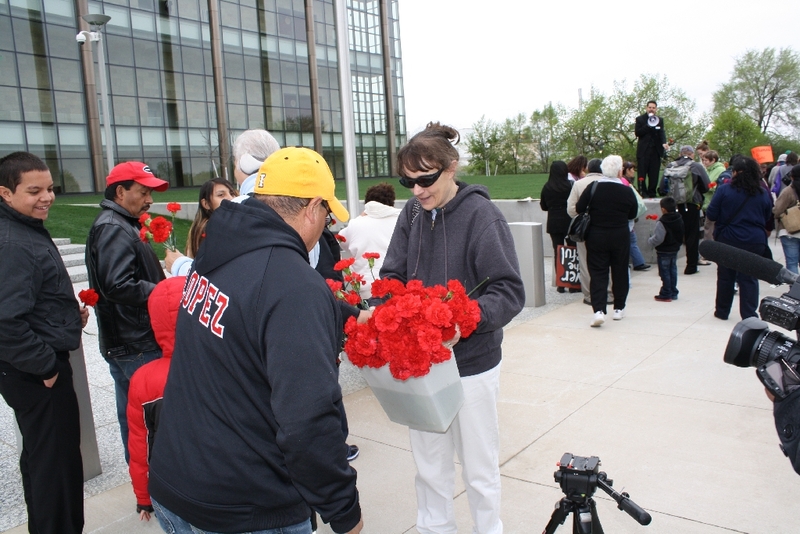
[[198, 229], [703, 145], [383, 193], [577, 165], [432, 148], [711, 155]]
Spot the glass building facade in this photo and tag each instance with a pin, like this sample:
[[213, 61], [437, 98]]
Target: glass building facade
[[161, 82]]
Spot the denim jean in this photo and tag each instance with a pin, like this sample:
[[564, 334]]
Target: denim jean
[[791, 252], [636, 255], [668, 271], [173, 524], [122, 369]]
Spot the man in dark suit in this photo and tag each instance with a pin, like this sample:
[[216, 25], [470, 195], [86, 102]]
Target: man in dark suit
[[650, 149]]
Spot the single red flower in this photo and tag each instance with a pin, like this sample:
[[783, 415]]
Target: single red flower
[[370, 255], [144, 218], [712, 185], [344, 264], [161, 229], [352, 298], [144, 234], [340, 238], [173, 207], [88, 296], [335, 285], [387, 286]]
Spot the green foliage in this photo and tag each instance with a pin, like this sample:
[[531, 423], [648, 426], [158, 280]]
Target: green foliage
[[733, 132], [483, 144], [765, 85], [547, 136]]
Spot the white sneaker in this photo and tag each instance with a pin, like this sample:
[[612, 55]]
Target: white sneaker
[[599, 318], [619, 314]]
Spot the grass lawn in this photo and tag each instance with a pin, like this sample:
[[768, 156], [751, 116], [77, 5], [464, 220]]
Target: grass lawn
[[68, 220]]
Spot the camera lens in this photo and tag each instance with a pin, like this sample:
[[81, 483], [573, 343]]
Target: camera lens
[[752, 344]]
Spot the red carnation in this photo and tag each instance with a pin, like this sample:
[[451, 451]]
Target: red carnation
[[371, 256], [89, 297], [352, 298], [143, 234], [161, 229], [340, 238], [344, 264], [144, 218], [335, 285], [173, 207]]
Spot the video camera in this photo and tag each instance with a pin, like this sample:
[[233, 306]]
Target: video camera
[[752, 344]]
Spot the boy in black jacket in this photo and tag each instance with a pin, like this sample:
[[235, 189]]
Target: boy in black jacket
[[667, 238]]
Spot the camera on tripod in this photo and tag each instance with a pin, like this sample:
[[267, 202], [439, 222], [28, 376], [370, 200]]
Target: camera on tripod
[[774, 355]]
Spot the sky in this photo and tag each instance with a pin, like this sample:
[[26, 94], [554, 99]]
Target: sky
[[463, 59]]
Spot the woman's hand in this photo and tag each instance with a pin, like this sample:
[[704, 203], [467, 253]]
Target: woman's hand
[[169, 258]]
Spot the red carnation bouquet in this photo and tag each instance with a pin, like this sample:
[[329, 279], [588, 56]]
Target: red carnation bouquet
[[409, 329], [156, 229]]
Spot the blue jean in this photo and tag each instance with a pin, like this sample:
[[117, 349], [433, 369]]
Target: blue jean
[[173, 524], [122, 369], [791, 252], [636, 255], [668, 271]]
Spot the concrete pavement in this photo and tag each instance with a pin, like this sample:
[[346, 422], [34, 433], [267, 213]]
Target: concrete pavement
[[689, 437]]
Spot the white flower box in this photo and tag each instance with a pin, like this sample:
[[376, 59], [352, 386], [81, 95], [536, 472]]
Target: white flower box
[[428, 403]]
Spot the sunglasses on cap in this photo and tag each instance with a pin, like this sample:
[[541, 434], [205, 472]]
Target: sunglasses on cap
[[422, 181]]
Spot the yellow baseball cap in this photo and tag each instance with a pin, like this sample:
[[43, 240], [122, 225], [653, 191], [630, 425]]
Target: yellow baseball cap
[[302, 173]]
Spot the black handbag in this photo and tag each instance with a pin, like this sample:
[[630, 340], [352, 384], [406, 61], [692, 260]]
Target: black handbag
[[579, 224]]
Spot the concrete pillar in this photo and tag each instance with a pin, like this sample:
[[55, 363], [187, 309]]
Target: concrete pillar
[[89, 451], [528, 240]]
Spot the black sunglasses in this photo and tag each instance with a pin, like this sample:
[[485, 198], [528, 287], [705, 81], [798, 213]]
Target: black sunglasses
[[422, 181], [328, 216]]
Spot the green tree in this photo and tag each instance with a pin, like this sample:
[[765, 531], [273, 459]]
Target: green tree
[[733, 132], [482, 143], [546, 130], [765, 85]]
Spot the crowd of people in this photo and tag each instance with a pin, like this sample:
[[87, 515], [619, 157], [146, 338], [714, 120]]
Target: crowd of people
[[232, 360]]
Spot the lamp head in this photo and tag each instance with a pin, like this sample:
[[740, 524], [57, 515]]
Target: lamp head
[[96, 19]]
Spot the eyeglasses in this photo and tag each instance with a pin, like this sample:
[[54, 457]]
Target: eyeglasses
[[422, 181], [328, 217]]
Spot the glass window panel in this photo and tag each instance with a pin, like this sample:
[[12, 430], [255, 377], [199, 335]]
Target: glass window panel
[[37, 105], [303, 76], [77, 173], [190, 33], [123, 81], [120, 22], [231, 39], [286, 47], [127, 137], [229, 14], [6, 34], [251, 43], [286, 26], [212, 115], [308, 140], [252, 68], [195, 87], [61, 42], [145, 54], [290, 99], [143, 24], [72, 136], [234, 66], [177, 138], [173, 84], [152, 137], [210, 88], [41, 135], [12, 136], [274, 118], [235, 91], [205, 32], [8, 66], [237, 115], [29, 36], [254, 95], [148, 82], [270, 45], [188, 9], [249, 18], [302, 52], [34, 71], [27, 8], [151, 155], [167, 27], [11, 109], [125, 112], [192, 59], [255, 117], [196, 114], [294, 139], [288, 72], [119, 50], [69, 107], [171, 56], [119, 2], [176, 114], [151, 112], [270, 22]]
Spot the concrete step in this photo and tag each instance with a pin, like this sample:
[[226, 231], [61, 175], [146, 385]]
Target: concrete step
[[77, 273], [61, 241], [65, 250], [71, 260]]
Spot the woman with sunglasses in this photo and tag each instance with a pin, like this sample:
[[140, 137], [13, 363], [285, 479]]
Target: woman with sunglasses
[[451, 231]]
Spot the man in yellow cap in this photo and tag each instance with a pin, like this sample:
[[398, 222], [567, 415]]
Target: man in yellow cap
[[250, 436]]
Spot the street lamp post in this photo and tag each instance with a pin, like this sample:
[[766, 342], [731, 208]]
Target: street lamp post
[[97, 21]]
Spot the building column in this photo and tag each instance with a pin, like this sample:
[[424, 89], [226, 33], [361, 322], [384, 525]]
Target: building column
[[388, 91], [220, 101], [312, 73]]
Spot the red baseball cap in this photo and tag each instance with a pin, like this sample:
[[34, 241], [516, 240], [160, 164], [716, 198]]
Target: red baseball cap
[[139, 173]]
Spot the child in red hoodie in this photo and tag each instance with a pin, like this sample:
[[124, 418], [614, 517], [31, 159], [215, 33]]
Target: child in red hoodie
[[147, 388]]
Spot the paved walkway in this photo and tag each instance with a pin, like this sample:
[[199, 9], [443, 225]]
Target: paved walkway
[[690, 438]]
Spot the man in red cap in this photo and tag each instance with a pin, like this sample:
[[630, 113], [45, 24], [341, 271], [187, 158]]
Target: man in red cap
[[124, 270]]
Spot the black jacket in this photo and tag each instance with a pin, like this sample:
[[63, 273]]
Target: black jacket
[[651, 138], [251, 433], [555, 204], [673, 236], [123, 270], [39, 316]]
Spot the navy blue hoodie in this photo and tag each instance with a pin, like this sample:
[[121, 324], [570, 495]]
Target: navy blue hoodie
[[251, 433]]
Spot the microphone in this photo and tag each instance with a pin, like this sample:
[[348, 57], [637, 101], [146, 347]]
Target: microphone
[[747, 263]]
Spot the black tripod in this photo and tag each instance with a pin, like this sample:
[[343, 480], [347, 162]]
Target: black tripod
[[579, 478]]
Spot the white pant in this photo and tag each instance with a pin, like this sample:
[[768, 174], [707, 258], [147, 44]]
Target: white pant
[[475, 436]]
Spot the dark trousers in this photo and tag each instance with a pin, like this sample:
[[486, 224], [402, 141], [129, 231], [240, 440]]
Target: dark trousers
[[668, 271], [608, 248], [648, 166], [690, 213], [748, 286], [50, 463]]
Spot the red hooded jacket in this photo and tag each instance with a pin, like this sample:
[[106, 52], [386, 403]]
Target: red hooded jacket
[[147, 384]]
